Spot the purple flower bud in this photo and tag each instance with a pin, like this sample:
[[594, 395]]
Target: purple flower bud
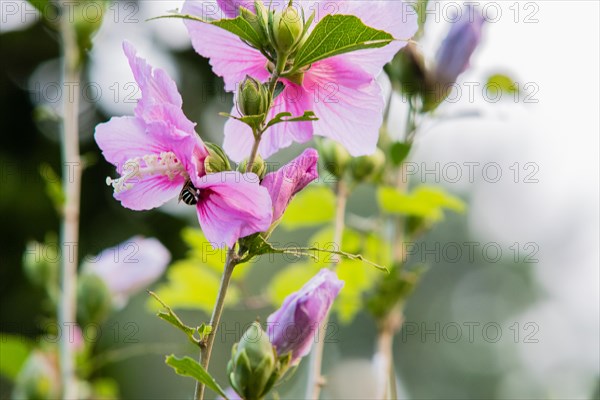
[[284, 183], [453, 55], [129, 267], [292, 327]]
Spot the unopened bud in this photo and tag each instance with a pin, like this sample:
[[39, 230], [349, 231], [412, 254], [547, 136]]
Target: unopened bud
[[288, 27], [253, 97], [367, 167], [216, 161], [259, 167], [258, 21], [94, 301], [40, 263], [252, 369], [335, 157]]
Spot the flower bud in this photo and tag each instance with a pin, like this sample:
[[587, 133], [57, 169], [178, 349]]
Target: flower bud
[[335, 157], [253, 98], [38, 378], [252, 369], [94, 301], [216, 161], [292, 327], [259, 167], [258, 21], [367, 167], [288, 27], [40, 262]]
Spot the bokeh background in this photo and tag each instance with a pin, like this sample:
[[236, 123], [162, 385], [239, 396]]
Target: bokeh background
[[547, 306]]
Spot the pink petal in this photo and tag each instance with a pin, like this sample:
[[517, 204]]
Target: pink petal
[[231, 206], [238, 136], [348, 103], [156, 85], [229, 57], [124, 138], [230, 8], [150, 192]]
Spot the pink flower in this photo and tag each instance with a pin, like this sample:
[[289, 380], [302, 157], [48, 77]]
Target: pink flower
[[284, 183], [157, 151], [341, 90]]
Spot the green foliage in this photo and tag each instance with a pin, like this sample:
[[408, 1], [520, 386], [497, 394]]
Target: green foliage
[[15, 350], [426, 202], [339, 34], [398, 152], [501, 83], [94, 300], [53, 187], [391, 290], [187, 366], [288, 117], [320, 203], [290, 279]]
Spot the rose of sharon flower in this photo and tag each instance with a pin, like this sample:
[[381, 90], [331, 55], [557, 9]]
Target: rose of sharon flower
[[453, 56], [284, 183], [341, 90], [157, 152], [129, 267], [292, 327]]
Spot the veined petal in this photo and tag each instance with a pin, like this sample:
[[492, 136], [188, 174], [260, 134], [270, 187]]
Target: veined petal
[[238, 136], [150, 192], [232, 205], [349, 104], [229, 57], [124, 138]]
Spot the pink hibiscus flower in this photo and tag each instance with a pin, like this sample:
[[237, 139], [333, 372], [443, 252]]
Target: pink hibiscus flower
[[341, 90], [157, 152]]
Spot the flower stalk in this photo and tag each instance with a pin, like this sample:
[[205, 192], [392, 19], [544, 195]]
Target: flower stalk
[[316, 381], [71, 186]]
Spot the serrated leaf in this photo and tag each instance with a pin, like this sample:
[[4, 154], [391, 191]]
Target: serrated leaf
[[339, 34], [314, 205], [287, 117], [250, 120], [238, 26], [187, 366], [15, 350]]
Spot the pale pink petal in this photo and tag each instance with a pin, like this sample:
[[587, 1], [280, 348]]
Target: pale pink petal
[[229, 57], [124, 138], [348, 103], [149, 192], [396, 17], [284, 183], [238, 136], [231, 206], [230, 8]]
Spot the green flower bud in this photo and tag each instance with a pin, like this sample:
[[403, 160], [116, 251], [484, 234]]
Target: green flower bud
[[288, 27], [40, 263], [335, 157], [38, 378], [366, 168], [253, 97], [94, 301], [259, 167], [258, 21], [253, 368], [216, 161]]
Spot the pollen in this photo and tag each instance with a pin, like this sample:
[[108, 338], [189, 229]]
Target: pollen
[[138, 168]]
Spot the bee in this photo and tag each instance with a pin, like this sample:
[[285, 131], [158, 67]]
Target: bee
[[189, 194]]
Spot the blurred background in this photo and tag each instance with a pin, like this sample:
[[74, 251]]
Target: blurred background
[[519, 324]]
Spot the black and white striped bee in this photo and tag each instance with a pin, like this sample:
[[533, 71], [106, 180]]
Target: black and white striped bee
[[189, 194]]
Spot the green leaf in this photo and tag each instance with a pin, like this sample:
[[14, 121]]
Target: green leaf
[[285, 117], [41, 5], [238, 26], [290, 279], [53, 186], [251, 120], [398, 152], [187, 366], [424, 202], [315, 205], [174, 320], [15, 350], [279, 87], [501, 83], [339, 34]]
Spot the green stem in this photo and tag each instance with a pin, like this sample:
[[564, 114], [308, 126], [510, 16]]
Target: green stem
[[315, 379], [71, 184], [206, 347]]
